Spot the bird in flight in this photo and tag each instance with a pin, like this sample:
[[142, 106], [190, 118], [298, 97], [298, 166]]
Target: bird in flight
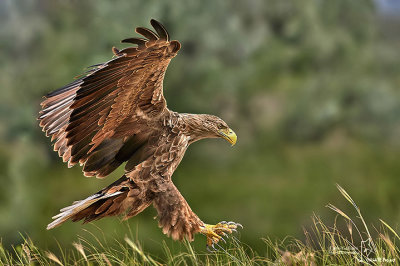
[[115, 113]]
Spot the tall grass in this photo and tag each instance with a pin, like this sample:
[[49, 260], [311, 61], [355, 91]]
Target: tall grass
[[348, 241]]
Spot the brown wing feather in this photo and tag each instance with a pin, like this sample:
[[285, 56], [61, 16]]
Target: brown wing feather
[[139, 41], [91, 119], [149, 34], [160, 29]]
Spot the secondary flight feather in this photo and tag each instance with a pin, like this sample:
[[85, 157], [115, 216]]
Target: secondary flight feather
[[115, 113]]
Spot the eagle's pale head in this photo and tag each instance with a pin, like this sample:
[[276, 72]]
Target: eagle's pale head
[[209, 126]]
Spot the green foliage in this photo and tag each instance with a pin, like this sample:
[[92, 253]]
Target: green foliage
[[310, 87]]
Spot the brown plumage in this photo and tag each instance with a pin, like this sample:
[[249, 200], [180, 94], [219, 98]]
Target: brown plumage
[[116, 113]]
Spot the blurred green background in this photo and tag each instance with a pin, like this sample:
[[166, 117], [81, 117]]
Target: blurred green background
[[311, 88]]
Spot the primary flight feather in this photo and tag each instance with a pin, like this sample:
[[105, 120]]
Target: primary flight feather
[[115, 113]]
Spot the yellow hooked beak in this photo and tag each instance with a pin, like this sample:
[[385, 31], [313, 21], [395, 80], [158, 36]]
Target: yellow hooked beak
[[229, 135]]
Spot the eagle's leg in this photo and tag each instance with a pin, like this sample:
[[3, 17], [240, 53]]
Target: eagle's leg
[[179, 221], [215, 233]]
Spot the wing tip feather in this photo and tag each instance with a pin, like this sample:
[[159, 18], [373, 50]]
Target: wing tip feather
[[160, 34], [160, 29], [149, 34], [139, 41]]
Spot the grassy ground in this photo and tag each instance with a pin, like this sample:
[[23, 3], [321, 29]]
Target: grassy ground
[[348, 241]]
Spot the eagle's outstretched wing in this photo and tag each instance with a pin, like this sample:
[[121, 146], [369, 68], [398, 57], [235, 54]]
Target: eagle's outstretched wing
[[101, 119]]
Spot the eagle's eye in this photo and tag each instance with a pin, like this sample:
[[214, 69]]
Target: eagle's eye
[[221, 126]]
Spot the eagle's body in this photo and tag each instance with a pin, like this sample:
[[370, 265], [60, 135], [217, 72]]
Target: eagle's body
[[116, 113]]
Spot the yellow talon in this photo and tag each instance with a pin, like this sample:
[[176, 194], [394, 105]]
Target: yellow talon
[[215, 233]]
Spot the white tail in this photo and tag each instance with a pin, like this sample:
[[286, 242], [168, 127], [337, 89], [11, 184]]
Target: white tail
[[76, 207]]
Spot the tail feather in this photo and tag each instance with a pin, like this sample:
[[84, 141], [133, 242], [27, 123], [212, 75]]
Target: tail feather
[[70, 211], [112, 200]]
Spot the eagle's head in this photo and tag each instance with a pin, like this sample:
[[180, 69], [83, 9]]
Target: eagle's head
[[210, 126]]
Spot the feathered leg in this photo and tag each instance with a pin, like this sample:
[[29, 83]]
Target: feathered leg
[[177, 219]]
